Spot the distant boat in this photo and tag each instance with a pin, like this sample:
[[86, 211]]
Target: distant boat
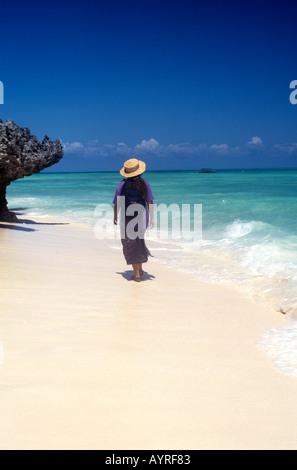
[[207, 170]]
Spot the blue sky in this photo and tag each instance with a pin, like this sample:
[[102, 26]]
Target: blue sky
[[179, 84]]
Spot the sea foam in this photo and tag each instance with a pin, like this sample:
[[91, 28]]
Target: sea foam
[[281, 345]]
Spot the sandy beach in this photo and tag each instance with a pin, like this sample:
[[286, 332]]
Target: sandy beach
[[92, 360]]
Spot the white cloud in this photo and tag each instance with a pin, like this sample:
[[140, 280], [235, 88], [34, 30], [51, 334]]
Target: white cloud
[[147, 146], [185, 148], [96, 149], [287, 148], [255, 141], [72, 147], [122, 148], [221, 148]]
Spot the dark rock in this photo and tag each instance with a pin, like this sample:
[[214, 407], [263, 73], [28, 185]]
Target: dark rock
[[21, 154]]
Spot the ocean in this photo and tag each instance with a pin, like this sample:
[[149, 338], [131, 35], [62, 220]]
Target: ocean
[[249, 230]]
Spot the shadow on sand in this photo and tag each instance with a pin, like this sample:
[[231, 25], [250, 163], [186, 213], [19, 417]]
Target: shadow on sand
[[18, 211], [20, 222], [128, 275], [16, 227]]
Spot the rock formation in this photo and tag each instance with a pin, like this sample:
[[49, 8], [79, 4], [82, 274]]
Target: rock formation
[[21, 154]]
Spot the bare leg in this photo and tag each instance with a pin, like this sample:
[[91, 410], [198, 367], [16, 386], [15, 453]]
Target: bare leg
[[136, 268]]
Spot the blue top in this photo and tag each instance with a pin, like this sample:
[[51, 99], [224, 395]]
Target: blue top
[[149, 196]]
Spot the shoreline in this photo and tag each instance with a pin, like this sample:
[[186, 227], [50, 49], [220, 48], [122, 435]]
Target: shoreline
[[251, 287], [94, 361]]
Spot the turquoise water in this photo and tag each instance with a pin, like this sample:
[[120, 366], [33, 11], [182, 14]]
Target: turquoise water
[[267, 196], [249, 235]]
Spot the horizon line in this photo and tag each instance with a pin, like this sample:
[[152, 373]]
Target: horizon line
[[173, 170]]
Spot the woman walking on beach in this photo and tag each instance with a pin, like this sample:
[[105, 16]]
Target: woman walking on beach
[[134, 190]]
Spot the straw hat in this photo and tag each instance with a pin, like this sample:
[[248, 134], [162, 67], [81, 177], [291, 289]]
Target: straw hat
[[133, 167]]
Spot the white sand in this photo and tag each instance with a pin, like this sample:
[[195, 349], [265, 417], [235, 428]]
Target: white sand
[[94, 361]]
